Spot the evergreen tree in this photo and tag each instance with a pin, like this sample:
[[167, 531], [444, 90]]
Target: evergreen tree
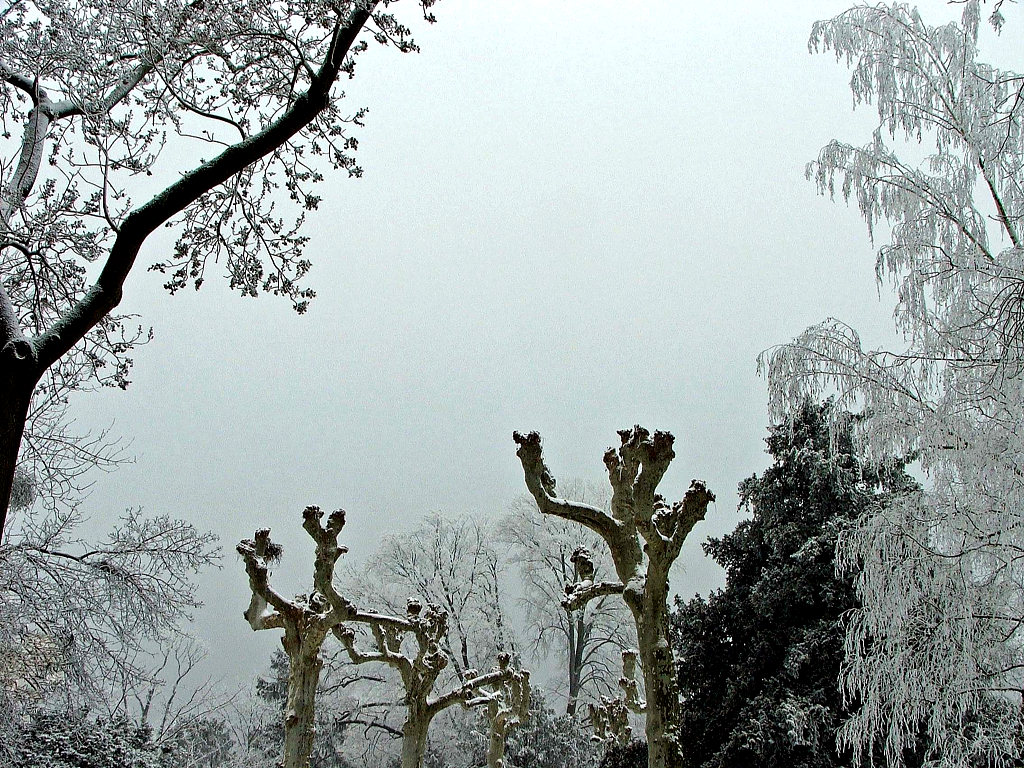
[[759, 660], [73, 739]]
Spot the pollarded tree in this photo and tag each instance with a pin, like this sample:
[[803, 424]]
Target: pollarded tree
[[506, 706], [589, 638], [97, 89], [504, 691], [938, 639], [307, 620], [644, 535]]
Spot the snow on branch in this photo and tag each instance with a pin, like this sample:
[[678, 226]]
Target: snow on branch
[[585, 589], [306, 620], [504, 691], [610, 718], [541, 484], [644, 535]]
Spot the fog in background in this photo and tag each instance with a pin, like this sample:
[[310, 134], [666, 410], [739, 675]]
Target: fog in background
[[575, 217]]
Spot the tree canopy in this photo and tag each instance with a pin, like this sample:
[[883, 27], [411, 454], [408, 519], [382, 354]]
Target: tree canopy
[[216, 117]]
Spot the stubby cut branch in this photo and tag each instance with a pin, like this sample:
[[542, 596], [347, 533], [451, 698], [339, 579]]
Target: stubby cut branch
[[644, 535]]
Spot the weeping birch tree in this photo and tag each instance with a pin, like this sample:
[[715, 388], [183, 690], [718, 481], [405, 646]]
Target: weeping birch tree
[[938, 645], [644, 535]]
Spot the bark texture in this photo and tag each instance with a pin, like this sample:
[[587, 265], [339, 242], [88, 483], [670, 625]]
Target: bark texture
[[644, 535], [16, 395], [19, 372]]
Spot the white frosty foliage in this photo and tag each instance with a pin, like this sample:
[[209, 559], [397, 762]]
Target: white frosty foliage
[[937, 644], [82, 620]]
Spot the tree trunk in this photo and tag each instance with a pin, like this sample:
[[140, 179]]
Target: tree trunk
[[660, 683], [303, 677], [496, 749], [15, 397], [414, 737], [575, 662]]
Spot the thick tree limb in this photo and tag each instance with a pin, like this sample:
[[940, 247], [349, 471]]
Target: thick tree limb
[[468, 693], [541, 485], [327, 553], [21, 82], [582, 592], [106, 293], [347, 637], [255, 553], [686, 513]]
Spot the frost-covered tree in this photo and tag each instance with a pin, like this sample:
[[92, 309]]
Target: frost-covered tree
[[939, 638], [610, 718], [305, 619], [547, 740], [80, 622], [644, 535], [505, 689], [506, 706], [241, 94], [337, 714], [589, 639], [73, 739], [760, 659]]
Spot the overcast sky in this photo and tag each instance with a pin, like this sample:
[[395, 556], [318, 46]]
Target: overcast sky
[[575, 216]]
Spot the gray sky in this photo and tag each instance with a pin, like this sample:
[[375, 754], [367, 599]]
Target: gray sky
[[573, 219]]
